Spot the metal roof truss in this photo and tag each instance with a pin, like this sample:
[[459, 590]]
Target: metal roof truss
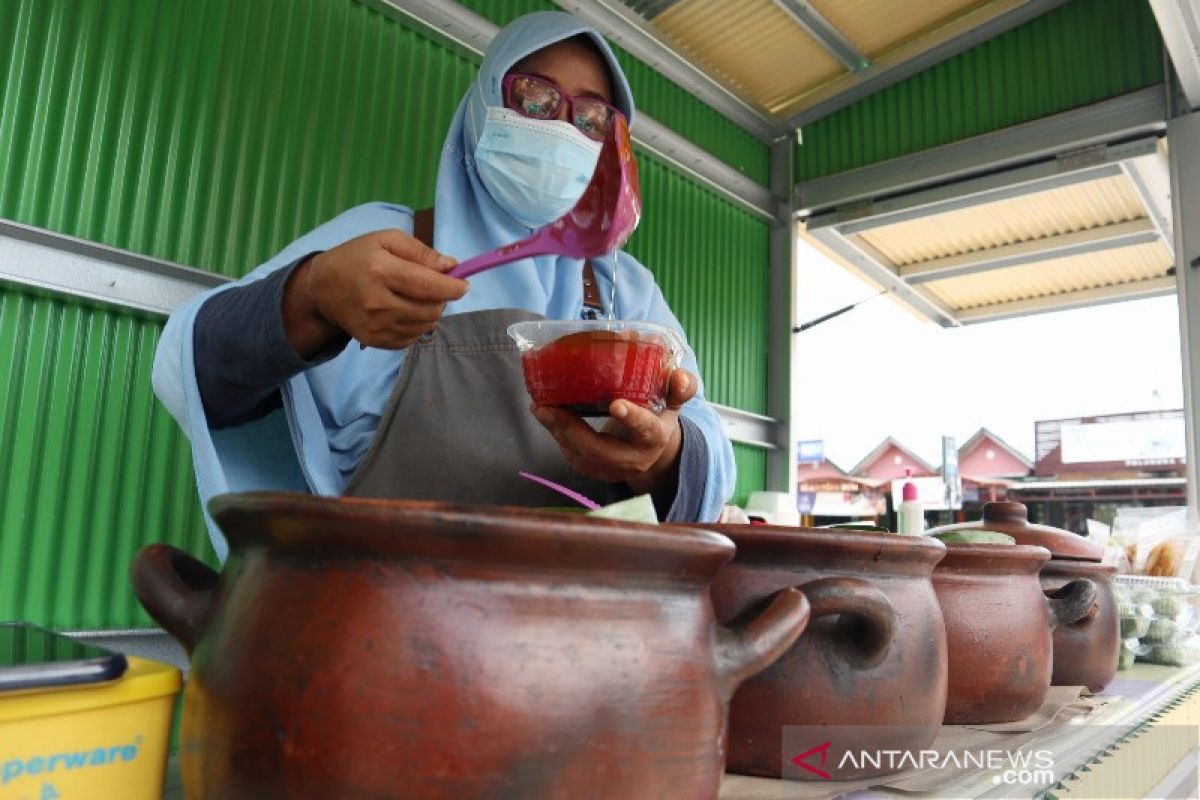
[[1179, 22]]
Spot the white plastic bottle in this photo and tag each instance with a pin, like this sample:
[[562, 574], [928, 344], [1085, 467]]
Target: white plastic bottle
[[910, 517]]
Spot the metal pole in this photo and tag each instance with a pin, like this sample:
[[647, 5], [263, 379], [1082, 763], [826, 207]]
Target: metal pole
[[1183, 137], [781, 462]]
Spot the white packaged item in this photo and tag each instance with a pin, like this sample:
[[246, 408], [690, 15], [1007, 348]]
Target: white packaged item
[[774, 508]]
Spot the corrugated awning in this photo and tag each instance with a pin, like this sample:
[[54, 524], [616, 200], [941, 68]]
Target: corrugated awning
[[990, 242], [788, 56], [1065, 210]]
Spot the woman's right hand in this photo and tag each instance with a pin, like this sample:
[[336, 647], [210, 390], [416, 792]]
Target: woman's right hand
[[384, 289]]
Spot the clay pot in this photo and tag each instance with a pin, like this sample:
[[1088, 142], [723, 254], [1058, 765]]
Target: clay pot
[[1086, 653], [367, 648], [869, 673], [999, 626]]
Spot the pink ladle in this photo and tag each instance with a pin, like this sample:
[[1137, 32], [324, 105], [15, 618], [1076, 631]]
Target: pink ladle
[[602, 220]]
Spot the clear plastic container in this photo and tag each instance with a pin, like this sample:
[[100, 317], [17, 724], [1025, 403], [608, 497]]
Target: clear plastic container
[[1165, 630], [1176, 585], [1169, 598], [1135, 620], [1180, 653], [1131, 650], [583, 365]]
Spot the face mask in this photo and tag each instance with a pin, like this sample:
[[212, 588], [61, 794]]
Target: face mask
[[534, 169]]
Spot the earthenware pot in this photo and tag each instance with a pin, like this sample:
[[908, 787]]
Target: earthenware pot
[[999, 629], [1085, 653], [367, 648], [869, 673]]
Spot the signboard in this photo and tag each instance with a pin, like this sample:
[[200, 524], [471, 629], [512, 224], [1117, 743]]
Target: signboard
[[950, 475], [1152, 440], [805, 502], [1132, 441], [848, 505], [811, 451]]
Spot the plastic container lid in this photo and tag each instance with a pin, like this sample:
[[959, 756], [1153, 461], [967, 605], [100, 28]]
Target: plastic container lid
[[535, 333], [583, 365], [909, 490], [1013, 519]]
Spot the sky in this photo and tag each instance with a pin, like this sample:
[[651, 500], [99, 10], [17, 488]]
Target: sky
[[880, 371]]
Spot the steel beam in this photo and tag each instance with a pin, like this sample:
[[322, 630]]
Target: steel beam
[[923, 52], [651, 8], [470, 33], [1152, 287], [781, 342], [1183, 136], [49, 261], [746, 427], [44, 260], [825, 32], [1007, 184], [1099, 483], [1179, 22], [625, 27], [1063, 245], [453, 23], [873, 266], [706, 169], [1078, 136], [1151, 178]]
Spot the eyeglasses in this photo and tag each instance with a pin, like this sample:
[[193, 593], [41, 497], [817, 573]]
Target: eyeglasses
[[539, 98]]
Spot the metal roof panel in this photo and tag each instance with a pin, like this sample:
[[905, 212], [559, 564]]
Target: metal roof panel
[[752, 45], [876, 26], [1065, 209], [1121, 266]]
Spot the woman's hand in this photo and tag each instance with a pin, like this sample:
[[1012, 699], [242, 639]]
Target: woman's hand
[[384, 289], [636, 446]]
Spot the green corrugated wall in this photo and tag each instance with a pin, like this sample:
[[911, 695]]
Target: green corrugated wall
[[722, 303], [91, 465], [211, 133], [1080, 53]]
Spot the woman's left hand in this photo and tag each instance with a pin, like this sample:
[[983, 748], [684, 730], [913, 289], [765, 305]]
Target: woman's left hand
[[636, 446]]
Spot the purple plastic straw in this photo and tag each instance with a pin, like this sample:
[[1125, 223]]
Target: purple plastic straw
[[587, 503]]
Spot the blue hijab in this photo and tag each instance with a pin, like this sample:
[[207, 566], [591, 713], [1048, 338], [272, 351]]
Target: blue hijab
[[331, 411], [468, 221]]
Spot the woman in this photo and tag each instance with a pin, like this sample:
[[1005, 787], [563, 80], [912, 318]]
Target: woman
[[429, 402]]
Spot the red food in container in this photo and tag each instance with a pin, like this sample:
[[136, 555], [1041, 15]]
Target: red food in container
[[584, 365]]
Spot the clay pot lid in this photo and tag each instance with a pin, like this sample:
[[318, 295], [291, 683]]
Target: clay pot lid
[[1013, 519]]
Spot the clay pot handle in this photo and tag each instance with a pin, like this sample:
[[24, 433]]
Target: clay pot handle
[[176, 589], [1073, 602], [752, 646], [866, 611]]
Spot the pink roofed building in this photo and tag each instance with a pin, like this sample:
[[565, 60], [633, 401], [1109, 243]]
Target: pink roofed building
[[818, 470], [986, 455], [889, 460]]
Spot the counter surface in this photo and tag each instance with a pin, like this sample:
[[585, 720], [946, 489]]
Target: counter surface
[[1094, 756]]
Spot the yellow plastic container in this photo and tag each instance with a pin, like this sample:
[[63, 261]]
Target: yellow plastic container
[[102, 742]]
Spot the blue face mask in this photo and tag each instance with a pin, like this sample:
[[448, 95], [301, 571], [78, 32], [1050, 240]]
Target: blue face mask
[[534, 169]]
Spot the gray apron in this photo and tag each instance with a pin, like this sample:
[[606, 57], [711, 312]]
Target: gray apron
[[457, 426]]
